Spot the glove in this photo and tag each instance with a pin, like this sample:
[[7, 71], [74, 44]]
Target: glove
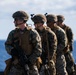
[[14, 52]]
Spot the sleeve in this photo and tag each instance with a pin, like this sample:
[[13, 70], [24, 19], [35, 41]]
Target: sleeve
[[70, 38], [52, 43], [62, 40], [70, 35], [37, 51], [8, 42]]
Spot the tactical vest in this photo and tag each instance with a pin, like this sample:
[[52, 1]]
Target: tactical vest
[[24, 40]]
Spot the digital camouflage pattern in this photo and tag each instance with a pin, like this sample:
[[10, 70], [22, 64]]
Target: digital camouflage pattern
[[68, 55], [69, 48], [61, 37], [47, 35], [62, 42], [49, 45], [69, 35], [34, 41]]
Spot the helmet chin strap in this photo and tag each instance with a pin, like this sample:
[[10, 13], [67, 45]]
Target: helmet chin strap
[[19, 24]]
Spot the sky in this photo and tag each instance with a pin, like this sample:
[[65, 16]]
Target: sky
[[67, 8]]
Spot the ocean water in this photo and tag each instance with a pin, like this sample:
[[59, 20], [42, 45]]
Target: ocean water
[[4, 56]]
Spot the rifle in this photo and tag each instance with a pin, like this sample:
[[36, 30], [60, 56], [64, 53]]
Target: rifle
[[22, 58]]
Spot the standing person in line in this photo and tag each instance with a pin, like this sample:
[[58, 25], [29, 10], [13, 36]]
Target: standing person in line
[[24, 45], [49, 45], [61, 39], [69, 48]]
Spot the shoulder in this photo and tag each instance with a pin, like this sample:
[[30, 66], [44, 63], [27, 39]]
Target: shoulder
[[50, 31], [56, 27], [47, 29], [33, 31], [35, 35], [69, 28], [12, 32], [60, 29]]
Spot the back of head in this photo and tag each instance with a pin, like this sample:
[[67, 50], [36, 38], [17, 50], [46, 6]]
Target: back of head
[[21, 14], [38, 18], [60, 18], [51, 18]]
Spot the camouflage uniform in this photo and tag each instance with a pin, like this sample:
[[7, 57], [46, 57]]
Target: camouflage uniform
[[61, 38], [49, 46], [69, 48], [30, 41]]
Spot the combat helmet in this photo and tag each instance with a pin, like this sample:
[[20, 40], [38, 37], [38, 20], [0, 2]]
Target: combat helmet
[[51, 18], [21, 14], [60, 18], [38, 18]]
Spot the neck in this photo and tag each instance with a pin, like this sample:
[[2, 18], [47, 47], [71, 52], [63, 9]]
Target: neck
[[41, 27], [52, 25]]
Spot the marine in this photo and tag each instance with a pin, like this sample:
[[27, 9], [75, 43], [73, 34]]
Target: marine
[[61, 39], [69, 48], [24, 45], [49, 45]]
